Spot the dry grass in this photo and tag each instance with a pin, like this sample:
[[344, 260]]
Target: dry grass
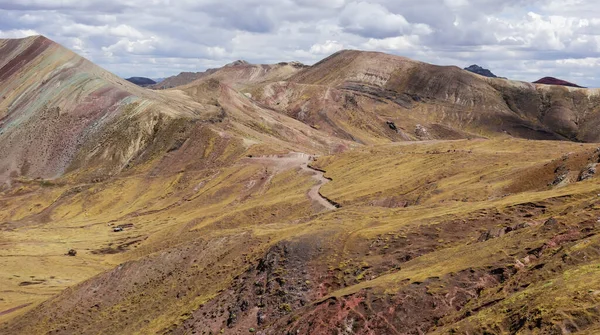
[[171, 211]]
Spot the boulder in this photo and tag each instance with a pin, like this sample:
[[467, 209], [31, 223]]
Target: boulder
[[421, 132]]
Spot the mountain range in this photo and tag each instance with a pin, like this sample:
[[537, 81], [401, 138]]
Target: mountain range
[[141, 81], [365, 194]]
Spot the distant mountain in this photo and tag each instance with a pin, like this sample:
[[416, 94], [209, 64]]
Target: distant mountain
[[141, 81], [480, 71], [556, 81], [237, 73], [238, 62], [185, 78], [182, 78]]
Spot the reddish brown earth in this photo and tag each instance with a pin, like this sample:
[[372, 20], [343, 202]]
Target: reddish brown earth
[[555, 81]]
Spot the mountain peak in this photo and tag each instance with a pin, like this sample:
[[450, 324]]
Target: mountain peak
[[238, 62], [556, 81], [480, 71]]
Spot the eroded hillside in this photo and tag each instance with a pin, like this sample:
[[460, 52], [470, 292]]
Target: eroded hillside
[[219, 207], [372, 97]]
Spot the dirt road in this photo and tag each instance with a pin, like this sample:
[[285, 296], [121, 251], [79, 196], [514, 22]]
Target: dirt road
[[298, 160]]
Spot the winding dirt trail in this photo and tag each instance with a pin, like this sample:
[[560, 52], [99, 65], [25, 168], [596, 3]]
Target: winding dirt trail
[[314, 193], [298, 160]]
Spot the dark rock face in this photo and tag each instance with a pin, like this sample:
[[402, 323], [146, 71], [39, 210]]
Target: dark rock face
[[556, 81], [588, 172], [141, 81], [480, 71]]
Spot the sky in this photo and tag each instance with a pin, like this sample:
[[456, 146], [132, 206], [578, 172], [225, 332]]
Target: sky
[[518, 39]]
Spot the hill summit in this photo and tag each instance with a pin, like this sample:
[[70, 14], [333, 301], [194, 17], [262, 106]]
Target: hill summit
[[556, 81], [481, 71]]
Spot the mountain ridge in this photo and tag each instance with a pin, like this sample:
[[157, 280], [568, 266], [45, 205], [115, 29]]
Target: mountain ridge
[[141, 81], [421, 88]]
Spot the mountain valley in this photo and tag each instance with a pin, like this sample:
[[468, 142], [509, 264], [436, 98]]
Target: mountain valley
[[365, 194]]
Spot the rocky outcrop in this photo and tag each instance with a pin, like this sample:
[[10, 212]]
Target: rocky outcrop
[[422, 132], [589, 172]]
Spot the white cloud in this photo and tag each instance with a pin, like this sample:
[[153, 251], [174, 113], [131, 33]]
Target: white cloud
[[124, 30], [521, 39], [17, 33], [137, 47], [456, 3], [400, 43], [372, 20], [327, 48], [321, 3]]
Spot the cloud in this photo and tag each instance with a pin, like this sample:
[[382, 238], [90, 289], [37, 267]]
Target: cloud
[[372, 20], [321, 3], [521, 39], [399, 43], [252, 17], [326, 48], [64, 5], [17, 33]]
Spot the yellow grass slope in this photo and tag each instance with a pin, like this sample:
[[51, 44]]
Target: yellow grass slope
[[241, 212]]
